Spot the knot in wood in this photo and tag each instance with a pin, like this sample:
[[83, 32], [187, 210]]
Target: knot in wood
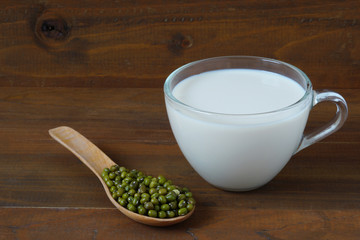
[[180, 42], [51, 29], [54, 29], [186, 42]]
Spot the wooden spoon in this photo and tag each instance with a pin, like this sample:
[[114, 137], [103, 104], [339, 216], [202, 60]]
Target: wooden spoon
[[96, 160]]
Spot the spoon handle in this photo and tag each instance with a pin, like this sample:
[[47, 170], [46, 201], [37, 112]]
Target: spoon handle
[[86, 151]]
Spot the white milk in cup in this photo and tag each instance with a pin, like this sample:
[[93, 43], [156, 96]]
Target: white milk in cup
[[239, 119]]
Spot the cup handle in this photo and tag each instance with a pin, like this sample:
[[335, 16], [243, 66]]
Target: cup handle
[[332, 126]]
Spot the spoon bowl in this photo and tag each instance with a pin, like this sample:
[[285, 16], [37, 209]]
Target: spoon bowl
[[96, 161]]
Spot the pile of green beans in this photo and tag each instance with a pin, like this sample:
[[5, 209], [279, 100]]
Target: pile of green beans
[[147, 195]]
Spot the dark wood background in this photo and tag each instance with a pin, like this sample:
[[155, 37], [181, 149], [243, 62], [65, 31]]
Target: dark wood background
[[99, 67], [138, 43]]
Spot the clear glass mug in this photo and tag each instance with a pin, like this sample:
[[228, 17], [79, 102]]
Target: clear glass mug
[[240, 152]]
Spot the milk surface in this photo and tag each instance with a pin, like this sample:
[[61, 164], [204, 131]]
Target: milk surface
[[238, 152], [238, 91]]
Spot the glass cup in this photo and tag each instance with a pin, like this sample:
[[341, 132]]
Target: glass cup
[[240, 152]]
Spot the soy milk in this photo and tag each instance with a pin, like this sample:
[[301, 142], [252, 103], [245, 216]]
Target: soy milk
[[238, 91], [233, 124]]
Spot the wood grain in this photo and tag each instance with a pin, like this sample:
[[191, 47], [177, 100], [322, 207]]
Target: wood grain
[[139, 43], [204, 224]]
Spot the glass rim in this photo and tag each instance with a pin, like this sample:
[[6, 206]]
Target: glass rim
[[169, 95]]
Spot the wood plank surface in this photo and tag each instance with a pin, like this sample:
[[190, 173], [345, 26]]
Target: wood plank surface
[[131, 126], [38, 175], [204, 224], [138, 43]]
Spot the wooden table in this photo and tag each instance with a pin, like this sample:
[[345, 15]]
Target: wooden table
[[99, 69]]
